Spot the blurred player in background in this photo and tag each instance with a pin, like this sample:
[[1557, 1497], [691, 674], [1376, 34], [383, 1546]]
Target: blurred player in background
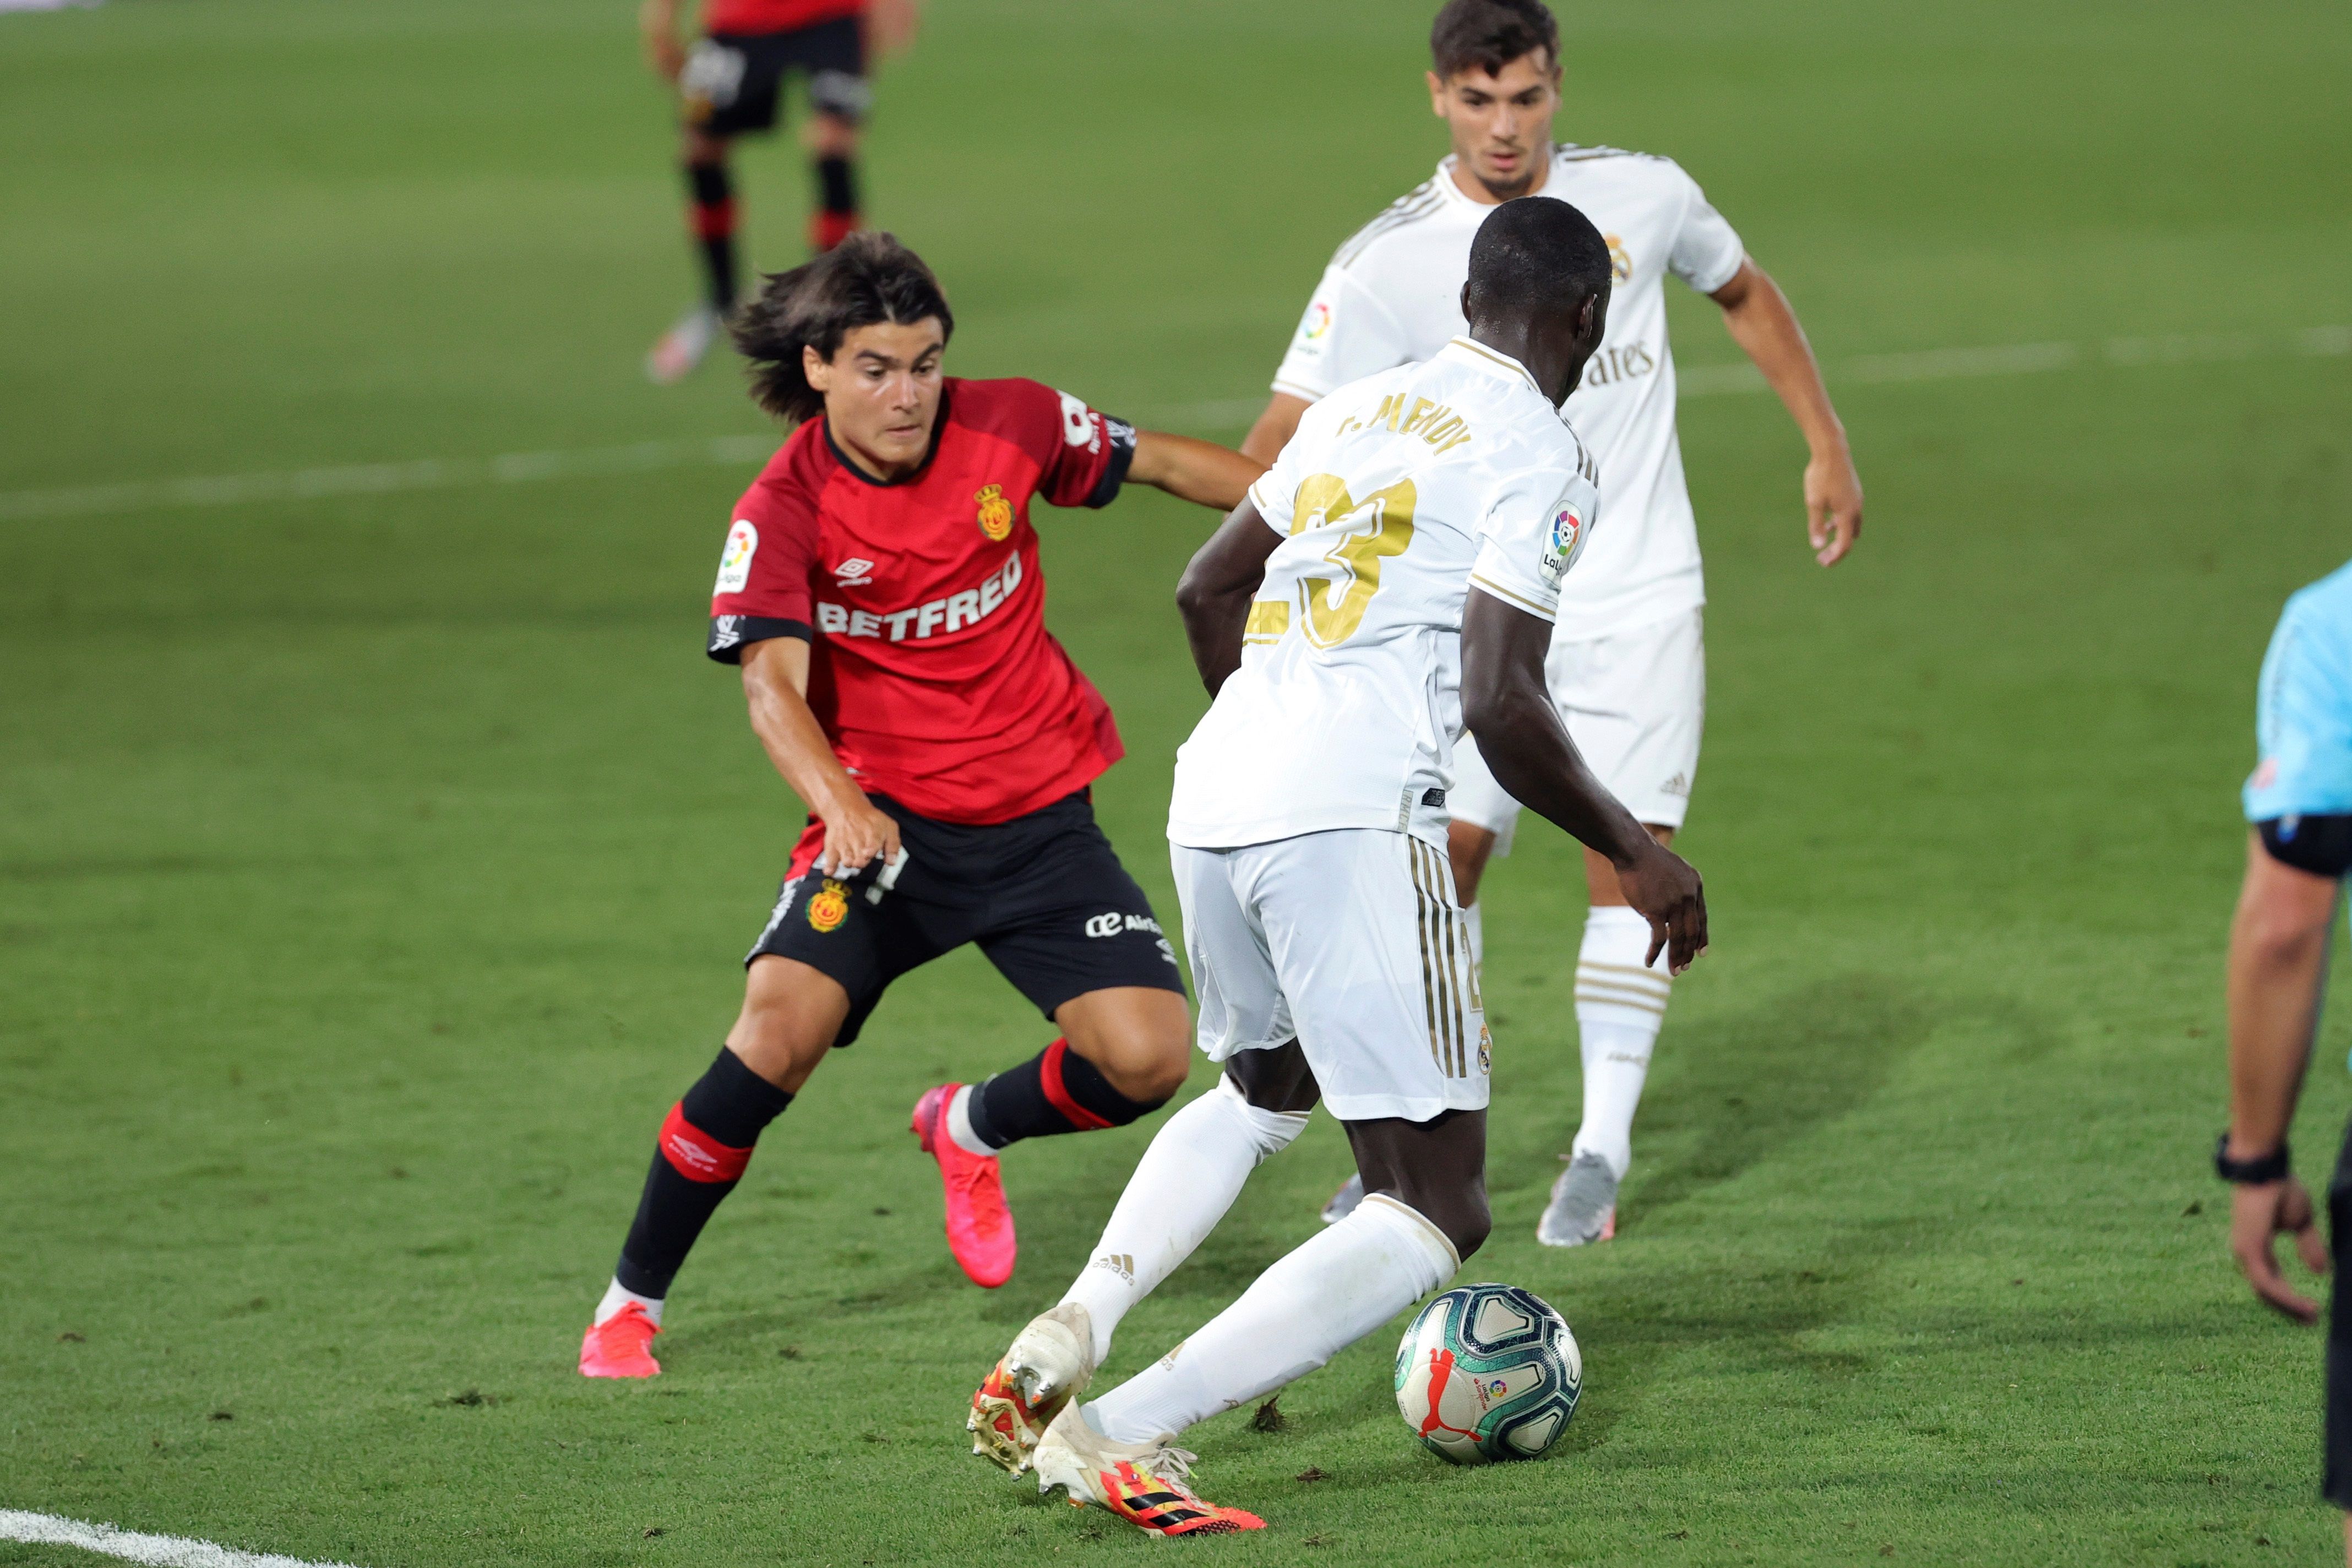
[[731, 84], [1393, 574], [2299, 802], [880, 589], [1627, 669]]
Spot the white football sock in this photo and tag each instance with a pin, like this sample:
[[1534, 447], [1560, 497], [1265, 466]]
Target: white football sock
[[1619, 1007], [1342, 1284], [959, 1124], [616, 1298], [1183, 1186]]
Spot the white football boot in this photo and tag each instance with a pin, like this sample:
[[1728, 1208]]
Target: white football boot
[[1049, 1363], [678, 350], [1583, 1206], [1143, 1483], [1343, 1203]]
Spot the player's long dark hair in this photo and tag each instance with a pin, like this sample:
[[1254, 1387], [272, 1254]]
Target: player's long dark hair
[[868, 278]]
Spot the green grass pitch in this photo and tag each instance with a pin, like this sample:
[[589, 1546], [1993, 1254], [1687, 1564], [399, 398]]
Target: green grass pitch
[[374, 867]]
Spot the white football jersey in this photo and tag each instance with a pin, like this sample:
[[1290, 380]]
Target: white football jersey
[[1392, 294], [1398, 493]]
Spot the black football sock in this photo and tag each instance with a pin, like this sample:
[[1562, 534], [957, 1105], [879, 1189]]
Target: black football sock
[[837, 193], [705, 1143], [1058, 1091], [714, 227]]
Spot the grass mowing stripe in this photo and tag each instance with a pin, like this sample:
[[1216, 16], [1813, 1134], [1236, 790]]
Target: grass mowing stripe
[[520, 468], [163, 1550]]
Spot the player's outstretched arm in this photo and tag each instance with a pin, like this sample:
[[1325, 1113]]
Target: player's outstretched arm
[[1761, 322], [1192, 470], [2278, 958], [1276, 426], [775, 684], [1505, 702], [657, 26], [890, 27], [1213, 596]]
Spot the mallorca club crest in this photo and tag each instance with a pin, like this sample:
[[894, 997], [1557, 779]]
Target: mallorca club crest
[[828, 906], [995, 513]]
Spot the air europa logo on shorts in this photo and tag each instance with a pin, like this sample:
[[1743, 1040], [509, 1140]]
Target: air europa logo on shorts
[[995, 513], [828, 906], [952, 614], [1114, 923]]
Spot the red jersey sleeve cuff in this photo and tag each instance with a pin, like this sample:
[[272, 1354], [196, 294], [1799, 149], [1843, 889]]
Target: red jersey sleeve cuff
[[731, 635]]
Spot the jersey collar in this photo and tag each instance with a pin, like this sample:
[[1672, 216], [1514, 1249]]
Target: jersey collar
[[1493, 361], [1462, 198]]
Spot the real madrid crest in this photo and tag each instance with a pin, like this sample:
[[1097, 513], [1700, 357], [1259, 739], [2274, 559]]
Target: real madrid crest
[[1620, 261], [828, 906], [995, 513]]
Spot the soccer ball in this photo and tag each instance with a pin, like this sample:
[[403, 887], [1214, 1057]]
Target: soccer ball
[[1488, 1372]]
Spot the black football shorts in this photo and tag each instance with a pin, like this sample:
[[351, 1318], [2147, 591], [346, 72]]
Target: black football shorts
[[1043, 895], [733, 81]]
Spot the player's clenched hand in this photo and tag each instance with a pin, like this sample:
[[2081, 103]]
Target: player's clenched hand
[[1665, 889], [2258, 1213], [855, 836], [1832, 505]]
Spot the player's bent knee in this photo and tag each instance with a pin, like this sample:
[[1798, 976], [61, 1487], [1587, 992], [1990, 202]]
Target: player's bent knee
[[1277, 1080], [791, 1014], [1137, 1039]]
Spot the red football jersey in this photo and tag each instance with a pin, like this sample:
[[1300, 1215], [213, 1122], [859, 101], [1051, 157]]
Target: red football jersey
[[931, 666], [774, 16]]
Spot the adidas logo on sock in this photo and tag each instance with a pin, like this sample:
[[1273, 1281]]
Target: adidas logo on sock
[[1119, 1263]]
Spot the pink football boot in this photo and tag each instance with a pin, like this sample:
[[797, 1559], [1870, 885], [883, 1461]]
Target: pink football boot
[[979, 1227], [620, 1346]]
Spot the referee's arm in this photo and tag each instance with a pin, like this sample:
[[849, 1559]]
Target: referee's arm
[[2278, 958]]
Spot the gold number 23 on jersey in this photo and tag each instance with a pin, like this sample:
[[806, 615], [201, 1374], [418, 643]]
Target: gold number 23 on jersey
[[1379, 526]]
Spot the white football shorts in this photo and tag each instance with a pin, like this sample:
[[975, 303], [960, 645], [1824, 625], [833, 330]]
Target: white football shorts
[[1633, 703], [1350, 942]]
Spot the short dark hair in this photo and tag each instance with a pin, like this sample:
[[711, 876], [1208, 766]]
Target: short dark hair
[[867, 279], [1491, 34], [1535, 255]]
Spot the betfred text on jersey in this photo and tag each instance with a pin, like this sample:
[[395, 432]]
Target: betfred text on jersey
[[952, 614]]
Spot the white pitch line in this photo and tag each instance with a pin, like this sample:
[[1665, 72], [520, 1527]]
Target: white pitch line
[[163, 1551], [1230, 413]]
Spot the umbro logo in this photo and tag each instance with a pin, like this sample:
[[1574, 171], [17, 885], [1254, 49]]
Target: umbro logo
[[854, 573], [1119, 1263]]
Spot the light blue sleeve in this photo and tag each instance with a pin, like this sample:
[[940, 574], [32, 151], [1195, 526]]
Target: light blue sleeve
[[2302, 722]]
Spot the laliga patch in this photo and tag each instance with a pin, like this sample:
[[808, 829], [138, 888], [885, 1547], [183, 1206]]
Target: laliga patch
[[735, 561], [828, 906], [1560, 541]]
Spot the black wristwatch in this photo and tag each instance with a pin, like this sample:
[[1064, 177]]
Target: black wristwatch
[[2273, 1166]]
